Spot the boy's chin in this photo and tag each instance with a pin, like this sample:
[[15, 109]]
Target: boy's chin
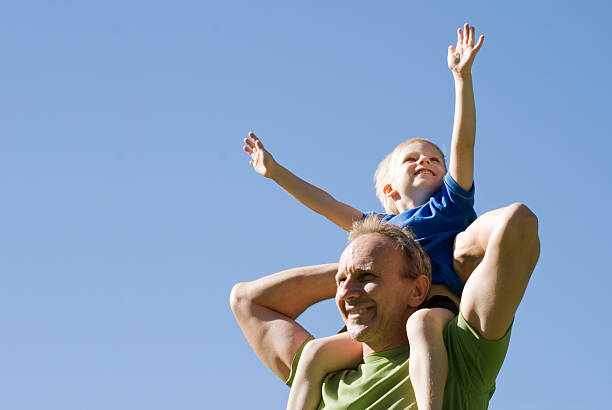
[[433, 184]]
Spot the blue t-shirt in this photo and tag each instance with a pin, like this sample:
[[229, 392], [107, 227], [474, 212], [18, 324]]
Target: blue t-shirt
[[435, 224]]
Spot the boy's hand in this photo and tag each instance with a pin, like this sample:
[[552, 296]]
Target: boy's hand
[[461, 57], [262, 161], [314, 198]]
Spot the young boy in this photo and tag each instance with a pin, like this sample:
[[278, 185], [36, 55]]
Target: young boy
[[419, 192]]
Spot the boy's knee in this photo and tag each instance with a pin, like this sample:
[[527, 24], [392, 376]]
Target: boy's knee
[[427, 322], [520, 234], [518, 227], [312, 348], [519, 218]]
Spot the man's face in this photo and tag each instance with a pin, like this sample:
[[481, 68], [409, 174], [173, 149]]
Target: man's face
[[417, 166], [372, 292]]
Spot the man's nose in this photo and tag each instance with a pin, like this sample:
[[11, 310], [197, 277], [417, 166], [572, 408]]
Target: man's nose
[[350, 288]]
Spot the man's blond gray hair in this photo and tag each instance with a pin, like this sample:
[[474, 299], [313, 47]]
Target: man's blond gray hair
[[417, 261]]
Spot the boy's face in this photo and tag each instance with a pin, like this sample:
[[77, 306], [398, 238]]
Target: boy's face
[[417, 169]]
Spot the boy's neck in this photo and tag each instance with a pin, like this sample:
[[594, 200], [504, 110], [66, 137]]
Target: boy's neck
[[406, 203]]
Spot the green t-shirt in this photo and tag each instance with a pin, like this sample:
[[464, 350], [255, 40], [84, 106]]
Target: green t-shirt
[[382, 381]]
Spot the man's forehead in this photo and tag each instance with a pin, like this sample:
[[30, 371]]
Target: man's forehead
[[365, 250], [355, 260]]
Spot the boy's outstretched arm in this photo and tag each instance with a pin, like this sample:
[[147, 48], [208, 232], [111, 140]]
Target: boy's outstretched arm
[[314, 198], [460, 59]]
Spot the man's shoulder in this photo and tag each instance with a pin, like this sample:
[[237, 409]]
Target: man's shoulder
[[473, 365], [381, 381]]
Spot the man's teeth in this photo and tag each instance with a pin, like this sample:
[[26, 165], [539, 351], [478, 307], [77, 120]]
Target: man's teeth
[[357, 311]]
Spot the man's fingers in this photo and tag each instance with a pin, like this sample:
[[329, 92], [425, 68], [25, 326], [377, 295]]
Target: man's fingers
[[247, 150], [451, 49], [258, 144], [459, 36], [466, 33]]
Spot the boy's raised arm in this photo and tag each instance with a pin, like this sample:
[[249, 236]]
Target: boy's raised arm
[[460, 59], [314, 198]]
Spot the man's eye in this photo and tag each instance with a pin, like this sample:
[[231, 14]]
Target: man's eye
[[435, 160]]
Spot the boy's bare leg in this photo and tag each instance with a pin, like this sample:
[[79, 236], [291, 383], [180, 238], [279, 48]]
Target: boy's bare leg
[[470, 245], [428, 358], [495, 288], [320, 357]]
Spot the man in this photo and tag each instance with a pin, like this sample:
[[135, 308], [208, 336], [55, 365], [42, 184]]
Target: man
[[378, 283]]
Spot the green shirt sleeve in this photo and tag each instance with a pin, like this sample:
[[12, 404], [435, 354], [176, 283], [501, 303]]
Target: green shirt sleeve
[[295, 361], [473, 365]]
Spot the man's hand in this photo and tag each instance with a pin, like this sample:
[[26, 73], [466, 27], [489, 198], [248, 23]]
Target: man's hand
[[262, 161], [461, 57], [266, 310]]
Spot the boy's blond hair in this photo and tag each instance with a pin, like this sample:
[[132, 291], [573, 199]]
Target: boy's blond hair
[[382, 176]]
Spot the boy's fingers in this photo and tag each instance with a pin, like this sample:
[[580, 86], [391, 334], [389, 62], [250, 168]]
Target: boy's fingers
[[249, 143], [479, 44]]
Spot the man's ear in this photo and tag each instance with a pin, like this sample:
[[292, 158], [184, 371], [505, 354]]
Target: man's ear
[[390, 192], [419, 291]]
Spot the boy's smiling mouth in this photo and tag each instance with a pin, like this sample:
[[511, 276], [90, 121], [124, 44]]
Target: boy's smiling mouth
[[423, 171]]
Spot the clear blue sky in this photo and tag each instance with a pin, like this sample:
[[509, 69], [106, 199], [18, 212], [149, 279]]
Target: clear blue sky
[[128, 209]]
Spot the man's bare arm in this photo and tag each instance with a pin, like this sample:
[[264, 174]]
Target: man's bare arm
[[266, 310]]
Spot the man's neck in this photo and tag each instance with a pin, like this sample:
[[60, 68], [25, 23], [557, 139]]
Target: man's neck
[[368, 348]]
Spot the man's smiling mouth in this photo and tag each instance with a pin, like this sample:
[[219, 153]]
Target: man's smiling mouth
[[356, 313]]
